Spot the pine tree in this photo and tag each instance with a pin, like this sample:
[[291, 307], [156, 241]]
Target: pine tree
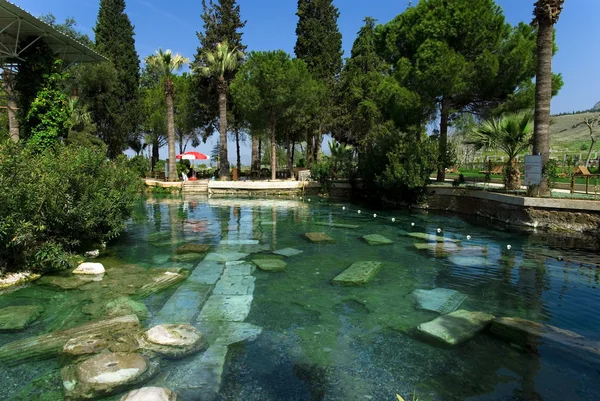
[[319, 45], [117, 122]]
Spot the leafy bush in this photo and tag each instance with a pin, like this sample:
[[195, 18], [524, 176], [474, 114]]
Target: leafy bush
[[58, 202], [321, 171], [139, 164]]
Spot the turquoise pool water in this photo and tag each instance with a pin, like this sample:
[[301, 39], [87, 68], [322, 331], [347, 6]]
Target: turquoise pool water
[[325, 342]]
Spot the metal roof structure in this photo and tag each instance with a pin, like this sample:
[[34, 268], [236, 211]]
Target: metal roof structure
[[17, 25]]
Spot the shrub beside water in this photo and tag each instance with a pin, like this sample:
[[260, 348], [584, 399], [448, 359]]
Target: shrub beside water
[[58, 202]]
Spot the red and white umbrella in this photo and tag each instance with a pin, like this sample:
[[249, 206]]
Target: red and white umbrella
[[191, 156]]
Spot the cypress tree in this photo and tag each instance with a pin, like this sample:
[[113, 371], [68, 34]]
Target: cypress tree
[[118, 121], [319, 45]]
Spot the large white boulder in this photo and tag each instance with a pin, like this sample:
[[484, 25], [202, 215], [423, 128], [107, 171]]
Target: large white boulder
[[89, 268], [150, 394], [173, 340]]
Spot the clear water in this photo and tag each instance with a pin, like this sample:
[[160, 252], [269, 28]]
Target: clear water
[[321, 342]]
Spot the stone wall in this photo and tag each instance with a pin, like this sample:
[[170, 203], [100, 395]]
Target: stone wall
[[540, 213]]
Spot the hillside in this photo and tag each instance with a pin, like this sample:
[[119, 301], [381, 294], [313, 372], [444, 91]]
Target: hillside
[[565, 137]]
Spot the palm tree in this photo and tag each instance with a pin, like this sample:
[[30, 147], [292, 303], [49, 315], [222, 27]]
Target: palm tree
[[217, 64], [510, 133], [168, 63], [546, 13]]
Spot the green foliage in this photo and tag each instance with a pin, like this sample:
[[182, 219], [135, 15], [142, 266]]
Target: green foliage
[[139, 165], [117, 113], [49, 116], [321, 171], [69, 28], [38, 63], [552, 172], [58, 202]]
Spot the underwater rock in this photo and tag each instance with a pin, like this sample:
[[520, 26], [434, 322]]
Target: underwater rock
[[237, 332], [440, 300], [92, 254], [270, 265], [106, 374], [530, 335], [150, 394], [62, 283], [287, 252], [206, 272], [456, 327], [15, 318], [173, 341], [441, 249], [336, 225], [192, 248], [468, 261], [184, 304], [17, 279], [123, 306], [376, 239], [89, 268], [48, 345], [226, 308], [160, 283], [318, 237], [225, 256], [158, 236], [358, 273], [186, 257]]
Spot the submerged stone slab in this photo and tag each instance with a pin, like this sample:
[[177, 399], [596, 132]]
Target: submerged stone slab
[[106, 374], [531, 335], [337, 225], [48, 345], [319, 237], [237, 332], [287, 252], [187, 257], [239, 242], [123, 306], [173, 341], [160, 283], [445, 247], [468, 261], [192, 248], [270, 265], [206, 272], [238, 268], [357, 274], [376, 239], [60, 282], [15, 318], [440, 300], [234, 285], [455, 328], [150, 394], [184, 304], [89, 268], [158, 236], [226, 308], [431, 237], [225, 256]]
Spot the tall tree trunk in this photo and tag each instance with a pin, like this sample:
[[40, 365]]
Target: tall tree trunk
[[255, 157], [273, 150], [589, 155], [224, 169], [309, 154], [171, 131], [237, 150], [11, 106], [155, 153], [288, 146], [543, 96], [293, 153], [441, 173], [259, 153]]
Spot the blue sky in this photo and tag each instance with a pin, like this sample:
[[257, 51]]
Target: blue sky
[[272, 25]]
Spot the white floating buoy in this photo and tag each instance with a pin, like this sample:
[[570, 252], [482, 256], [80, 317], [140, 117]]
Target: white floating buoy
[[469, 237], [343, 207], [393, 219], [508, 247], [412, 224], [359, 212], [439, 230], [374, 214], [309, 199]]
